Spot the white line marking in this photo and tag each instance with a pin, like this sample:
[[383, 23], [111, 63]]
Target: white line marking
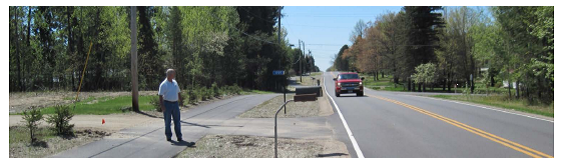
[[484, 108], [349, 132]]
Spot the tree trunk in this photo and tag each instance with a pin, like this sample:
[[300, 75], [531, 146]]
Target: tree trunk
[[382, 74], [419, 87], [18, 52], [69, 27], [376, 74], [509, 88], [517, 89], [492, 80], [28, 43], [409, 84], [449, 80]]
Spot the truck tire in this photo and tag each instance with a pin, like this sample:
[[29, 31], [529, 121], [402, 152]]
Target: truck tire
[[360, 94]]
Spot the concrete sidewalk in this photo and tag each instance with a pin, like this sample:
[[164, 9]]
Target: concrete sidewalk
[[148, 140]]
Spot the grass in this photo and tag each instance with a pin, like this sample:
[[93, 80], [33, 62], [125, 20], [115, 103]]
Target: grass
[[104, 105], [20, 134], [386, 83], [47, 143], [254, 91], [315, 73], [504, 102], [308, 81]]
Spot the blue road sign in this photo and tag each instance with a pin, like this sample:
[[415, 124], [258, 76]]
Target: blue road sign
[[278, 72]]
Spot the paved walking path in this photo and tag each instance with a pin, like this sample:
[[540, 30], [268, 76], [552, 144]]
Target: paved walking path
[[148, 140]]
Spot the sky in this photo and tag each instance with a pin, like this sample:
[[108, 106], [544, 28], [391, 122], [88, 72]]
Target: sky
[[325, 29]]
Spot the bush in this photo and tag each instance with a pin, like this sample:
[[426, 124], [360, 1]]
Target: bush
[[31, 117], [192, 96], [60, 120], [155, 102], [201, 93], [234, 89], [215, 89], [207, 93]]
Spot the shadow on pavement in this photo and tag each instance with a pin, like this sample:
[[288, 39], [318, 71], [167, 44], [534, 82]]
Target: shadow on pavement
[[183, 143], [205, 126], [331, 154], [352, 96], [148, 115]]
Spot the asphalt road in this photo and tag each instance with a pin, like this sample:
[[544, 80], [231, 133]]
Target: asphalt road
[[398, 125]]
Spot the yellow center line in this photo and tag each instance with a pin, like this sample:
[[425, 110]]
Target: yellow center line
[[492, 137]]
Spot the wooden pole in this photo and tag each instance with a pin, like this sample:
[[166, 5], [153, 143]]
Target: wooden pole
[[134, 91]]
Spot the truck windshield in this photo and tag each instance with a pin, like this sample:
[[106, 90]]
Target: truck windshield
[[349, 76]]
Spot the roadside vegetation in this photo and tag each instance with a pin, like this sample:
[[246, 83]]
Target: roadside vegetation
[[504, 102], [47, 142], [230, 45], [500, 50]]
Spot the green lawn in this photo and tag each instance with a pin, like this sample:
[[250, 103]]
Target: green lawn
[[504, 102], [479, 88], [386, 82], [105, 105]]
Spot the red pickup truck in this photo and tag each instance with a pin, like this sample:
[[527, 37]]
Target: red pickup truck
[[348, 82]]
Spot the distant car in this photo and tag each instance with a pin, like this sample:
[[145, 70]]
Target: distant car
[[348, 82]]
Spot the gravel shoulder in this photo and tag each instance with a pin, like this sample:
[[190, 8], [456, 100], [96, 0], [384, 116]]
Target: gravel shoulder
[[48, 144], [293, 109], [238, 146]]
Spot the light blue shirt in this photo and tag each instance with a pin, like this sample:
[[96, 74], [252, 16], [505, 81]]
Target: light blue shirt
[[169, 90]]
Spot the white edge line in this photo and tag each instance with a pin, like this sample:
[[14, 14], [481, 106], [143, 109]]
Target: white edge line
[[528, 116], [349, 132]]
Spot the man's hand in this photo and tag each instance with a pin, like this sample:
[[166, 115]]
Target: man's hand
[[181, 102], [161, 103]]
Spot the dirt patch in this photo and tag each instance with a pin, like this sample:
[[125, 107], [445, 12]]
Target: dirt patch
[[48, 143], [293, 109], [113, 122], [237, 146], [20, 101]]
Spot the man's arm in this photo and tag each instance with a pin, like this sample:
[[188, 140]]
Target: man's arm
[[161, 102], [180, 99]]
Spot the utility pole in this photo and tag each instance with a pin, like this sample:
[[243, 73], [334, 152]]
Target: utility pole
[[134, 91], [280, 44], [301, 55]]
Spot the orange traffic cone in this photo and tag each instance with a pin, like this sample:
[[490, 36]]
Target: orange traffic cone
[[103, 121]]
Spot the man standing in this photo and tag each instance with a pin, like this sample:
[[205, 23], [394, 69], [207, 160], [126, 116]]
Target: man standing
[[169, 96]]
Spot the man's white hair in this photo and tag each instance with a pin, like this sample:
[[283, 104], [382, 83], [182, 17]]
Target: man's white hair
[[169, 71]]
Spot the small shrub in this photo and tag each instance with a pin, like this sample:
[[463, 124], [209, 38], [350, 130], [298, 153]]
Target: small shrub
[[154, 101], [60, 120], [215, 89], [234, 89], [192, 96], [209, 93], [31, 118]]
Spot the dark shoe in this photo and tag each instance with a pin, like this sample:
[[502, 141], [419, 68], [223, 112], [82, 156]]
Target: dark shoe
[[180, 140], [168, 139]]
